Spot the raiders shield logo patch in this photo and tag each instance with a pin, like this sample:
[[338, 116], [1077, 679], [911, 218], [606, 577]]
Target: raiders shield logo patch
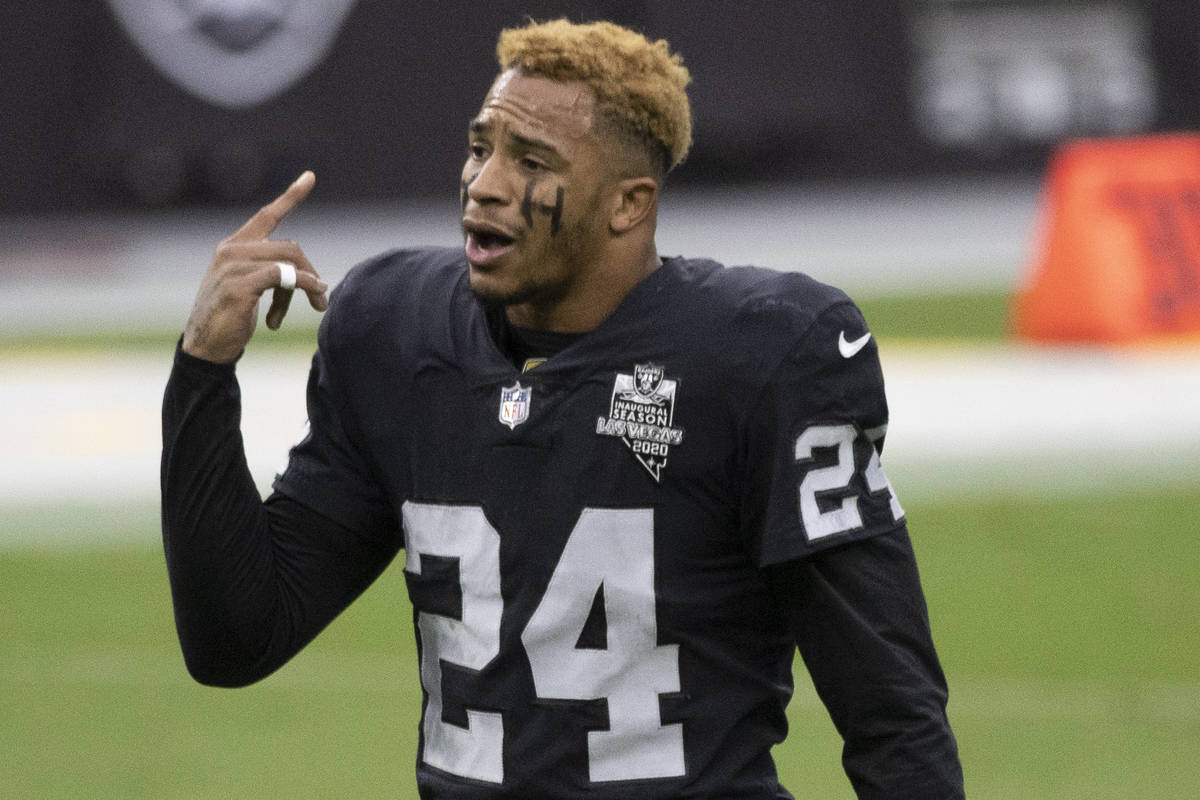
[[514, 404], [233, 53], [642, 414]]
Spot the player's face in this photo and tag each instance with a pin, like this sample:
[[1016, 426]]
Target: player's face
[[533, 190]]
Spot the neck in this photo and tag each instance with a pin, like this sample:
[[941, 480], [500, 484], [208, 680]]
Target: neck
[[592, 297]]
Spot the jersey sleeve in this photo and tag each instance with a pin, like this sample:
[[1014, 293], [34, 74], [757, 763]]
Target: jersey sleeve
[[329, 470], [815, 438]]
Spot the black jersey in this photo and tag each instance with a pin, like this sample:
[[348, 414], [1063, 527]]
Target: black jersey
[[586, 541]]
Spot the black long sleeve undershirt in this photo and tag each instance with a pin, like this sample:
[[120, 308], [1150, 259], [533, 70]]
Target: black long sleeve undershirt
[[253, 582], [858, 617]]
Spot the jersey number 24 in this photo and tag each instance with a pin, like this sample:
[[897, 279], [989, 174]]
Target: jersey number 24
[[613, 548]]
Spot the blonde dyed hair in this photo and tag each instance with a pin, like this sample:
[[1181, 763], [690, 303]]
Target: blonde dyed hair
[[639, 85]]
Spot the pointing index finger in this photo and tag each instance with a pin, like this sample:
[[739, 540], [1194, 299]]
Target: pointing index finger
[[267, 218]]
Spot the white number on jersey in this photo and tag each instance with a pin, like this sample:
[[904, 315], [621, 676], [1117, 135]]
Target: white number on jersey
[[609, 550], [461, 532], [837, 477], [613, 550]]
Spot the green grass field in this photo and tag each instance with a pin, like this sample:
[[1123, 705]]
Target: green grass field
[[975, 316], [1067, 627]]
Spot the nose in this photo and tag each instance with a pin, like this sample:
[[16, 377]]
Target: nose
[[488, 185]]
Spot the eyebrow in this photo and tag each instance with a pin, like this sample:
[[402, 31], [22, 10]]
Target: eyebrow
[[484, 128]]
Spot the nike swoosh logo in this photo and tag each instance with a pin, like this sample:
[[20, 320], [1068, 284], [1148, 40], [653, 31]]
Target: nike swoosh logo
[[850, 349]]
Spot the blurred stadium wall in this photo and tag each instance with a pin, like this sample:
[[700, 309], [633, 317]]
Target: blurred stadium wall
[[119, 104]]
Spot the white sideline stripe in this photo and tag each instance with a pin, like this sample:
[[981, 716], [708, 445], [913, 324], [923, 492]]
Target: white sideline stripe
[[1022, 399], [87, 429], [997, 700], [90, 427]]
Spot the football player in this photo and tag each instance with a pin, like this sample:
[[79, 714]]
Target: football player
[[629, 487]]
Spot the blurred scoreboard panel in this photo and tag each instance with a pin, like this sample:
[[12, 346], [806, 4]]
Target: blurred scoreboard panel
[[991, 80], [100, 107]]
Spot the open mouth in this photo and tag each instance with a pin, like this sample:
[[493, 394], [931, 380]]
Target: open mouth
[[491, 241], [485, 243]]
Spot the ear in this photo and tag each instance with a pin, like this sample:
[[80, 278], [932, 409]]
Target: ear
[[635, 201]]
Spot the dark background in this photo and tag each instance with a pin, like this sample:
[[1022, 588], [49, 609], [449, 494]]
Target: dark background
[[782, 92]]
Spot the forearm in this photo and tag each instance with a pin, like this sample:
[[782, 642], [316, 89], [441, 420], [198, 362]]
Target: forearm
[[859, 618], [251, 583], [216, 535]]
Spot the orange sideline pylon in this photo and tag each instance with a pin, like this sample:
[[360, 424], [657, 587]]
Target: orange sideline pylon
[[1119, 250]]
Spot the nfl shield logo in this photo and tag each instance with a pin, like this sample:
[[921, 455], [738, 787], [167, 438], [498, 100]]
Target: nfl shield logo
[[514, 404]]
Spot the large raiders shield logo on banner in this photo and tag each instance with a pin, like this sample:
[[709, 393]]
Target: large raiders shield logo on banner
[[233, 53]]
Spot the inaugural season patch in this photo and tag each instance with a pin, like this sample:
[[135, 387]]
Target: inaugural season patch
[[641, 414]]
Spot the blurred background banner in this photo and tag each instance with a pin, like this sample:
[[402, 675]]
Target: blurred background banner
[[233, 53], [119, 104], [1119, 256]]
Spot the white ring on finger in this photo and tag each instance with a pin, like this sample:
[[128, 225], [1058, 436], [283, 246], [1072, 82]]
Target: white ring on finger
[[287, 276]]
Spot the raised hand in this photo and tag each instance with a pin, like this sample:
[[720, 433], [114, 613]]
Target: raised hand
[[244, 266]]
